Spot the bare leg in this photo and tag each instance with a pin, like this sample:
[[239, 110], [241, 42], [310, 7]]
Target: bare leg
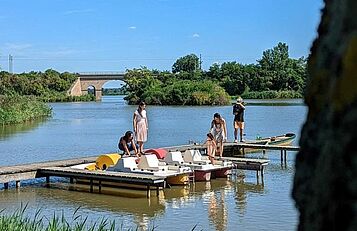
[[221, 148], [235, 133], [241, 134], [141, 146]]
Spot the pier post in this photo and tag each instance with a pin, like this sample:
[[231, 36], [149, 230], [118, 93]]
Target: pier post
[[6, 185], [47, 179], [281, 155], [18, 184], [148, 191], [100, 186], [157, 190], [91, 185], [285, 156], [71, 180]]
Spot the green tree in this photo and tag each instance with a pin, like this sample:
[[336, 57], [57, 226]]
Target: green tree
[[188, 63], [281, 72]]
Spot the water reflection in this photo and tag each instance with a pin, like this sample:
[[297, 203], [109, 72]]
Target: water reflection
[[242, 189], [8, 130]]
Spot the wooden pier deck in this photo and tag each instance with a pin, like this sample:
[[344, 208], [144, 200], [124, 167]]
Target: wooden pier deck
[[104, 176], [249, 164], [241, 148], [47, 169], [22, 172]]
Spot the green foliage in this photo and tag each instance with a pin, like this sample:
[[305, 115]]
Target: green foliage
[[188, 63], [171, 89], [17, 109], [19, 221], [49, 85], [271, 94], [275, 71]]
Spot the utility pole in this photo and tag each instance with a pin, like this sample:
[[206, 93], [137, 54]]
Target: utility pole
[[10, 64], [200, 62]]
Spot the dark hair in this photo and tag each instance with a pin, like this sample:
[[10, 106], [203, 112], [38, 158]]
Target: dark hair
[[142, 103], [210, 136], [217, 115], [127, 135]]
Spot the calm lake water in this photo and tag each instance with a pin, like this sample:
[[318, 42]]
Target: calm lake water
[[91, 128]]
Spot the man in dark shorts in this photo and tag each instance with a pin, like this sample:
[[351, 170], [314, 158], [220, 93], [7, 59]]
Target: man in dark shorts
[[238, 112]]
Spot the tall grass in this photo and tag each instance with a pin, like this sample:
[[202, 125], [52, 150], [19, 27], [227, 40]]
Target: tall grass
[[271, 95], [17, 109], [19, 221]]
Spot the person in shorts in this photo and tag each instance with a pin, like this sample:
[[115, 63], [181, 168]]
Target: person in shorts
[[238, 112], [127, 144]]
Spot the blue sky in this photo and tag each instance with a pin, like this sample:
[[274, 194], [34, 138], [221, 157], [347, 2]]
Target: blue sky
[[113, 35]]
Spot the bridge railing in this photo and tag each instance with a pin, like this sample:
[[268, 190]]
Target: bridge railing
[[102, 73]]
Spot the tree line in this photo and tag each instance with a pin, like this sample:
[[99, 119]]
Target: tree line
[[275, 75], [48, 86]]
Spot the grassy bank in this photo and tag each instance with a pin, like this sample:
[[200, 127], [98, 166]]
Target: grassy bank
[[19, 221], [271, 95], [17, 109]]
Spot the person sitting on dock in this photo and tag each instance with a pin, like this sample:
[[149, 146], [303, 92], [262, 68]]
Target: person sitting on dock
[[211, 147], [219, 131], [127, 144], [238, 112]]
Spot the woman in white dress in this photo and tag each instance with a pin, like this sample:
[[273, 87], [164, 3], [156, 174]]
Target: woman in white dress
[[140, 124]]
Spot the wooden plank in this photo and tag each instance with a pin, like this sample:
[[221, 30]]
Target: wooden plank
[[103, 175], [18, 176], [246, 160], [253, 166], [232, 145], [39, 165]]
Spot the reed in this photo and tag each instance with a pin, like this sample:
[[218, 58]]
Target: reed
[[17, 109], [19, 221]]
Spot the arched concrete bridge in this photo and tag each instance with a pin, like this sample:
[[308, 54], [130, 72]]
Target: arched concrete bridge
[[95, 80]]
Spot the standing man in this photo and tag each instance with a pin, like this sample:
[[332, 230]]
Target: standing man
[[238, 112]]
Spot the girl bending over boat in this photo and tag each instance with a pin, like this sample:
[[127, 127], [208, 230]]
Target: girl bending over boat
[[219, 131], [127, 144]]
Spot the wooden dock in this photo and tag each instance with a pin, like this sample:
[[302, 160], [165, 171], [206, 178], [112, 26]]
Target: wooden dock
[[104, 176], [59, 168], [240, 149], [249, 164], [22, 172]]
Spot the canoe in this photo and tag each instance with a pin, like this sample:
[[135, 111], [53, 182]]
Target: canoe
[[285, 139]]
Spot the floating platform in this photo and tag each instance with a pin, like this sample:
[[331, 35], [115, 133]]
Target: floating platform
[[61, 168]]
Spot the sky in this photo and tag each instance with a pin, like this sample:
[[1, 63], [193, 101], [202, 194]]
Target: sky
[[115, 35]]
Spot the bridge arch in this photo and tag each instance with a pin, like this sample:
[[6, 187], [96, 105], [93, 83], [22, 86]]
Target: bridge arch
[[95, 79]]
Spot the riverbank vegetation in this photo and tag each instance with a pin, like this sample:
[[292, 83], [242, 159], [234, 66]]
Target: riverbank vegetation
[[275, 75], [19, 221], [23, 95], [48, 86], [17, 109]]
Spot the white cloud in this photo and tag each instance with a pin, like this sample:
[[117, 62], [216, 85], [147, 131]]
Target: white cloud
[[68, 12], [132, 27], [17, 46], [195, 35]]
